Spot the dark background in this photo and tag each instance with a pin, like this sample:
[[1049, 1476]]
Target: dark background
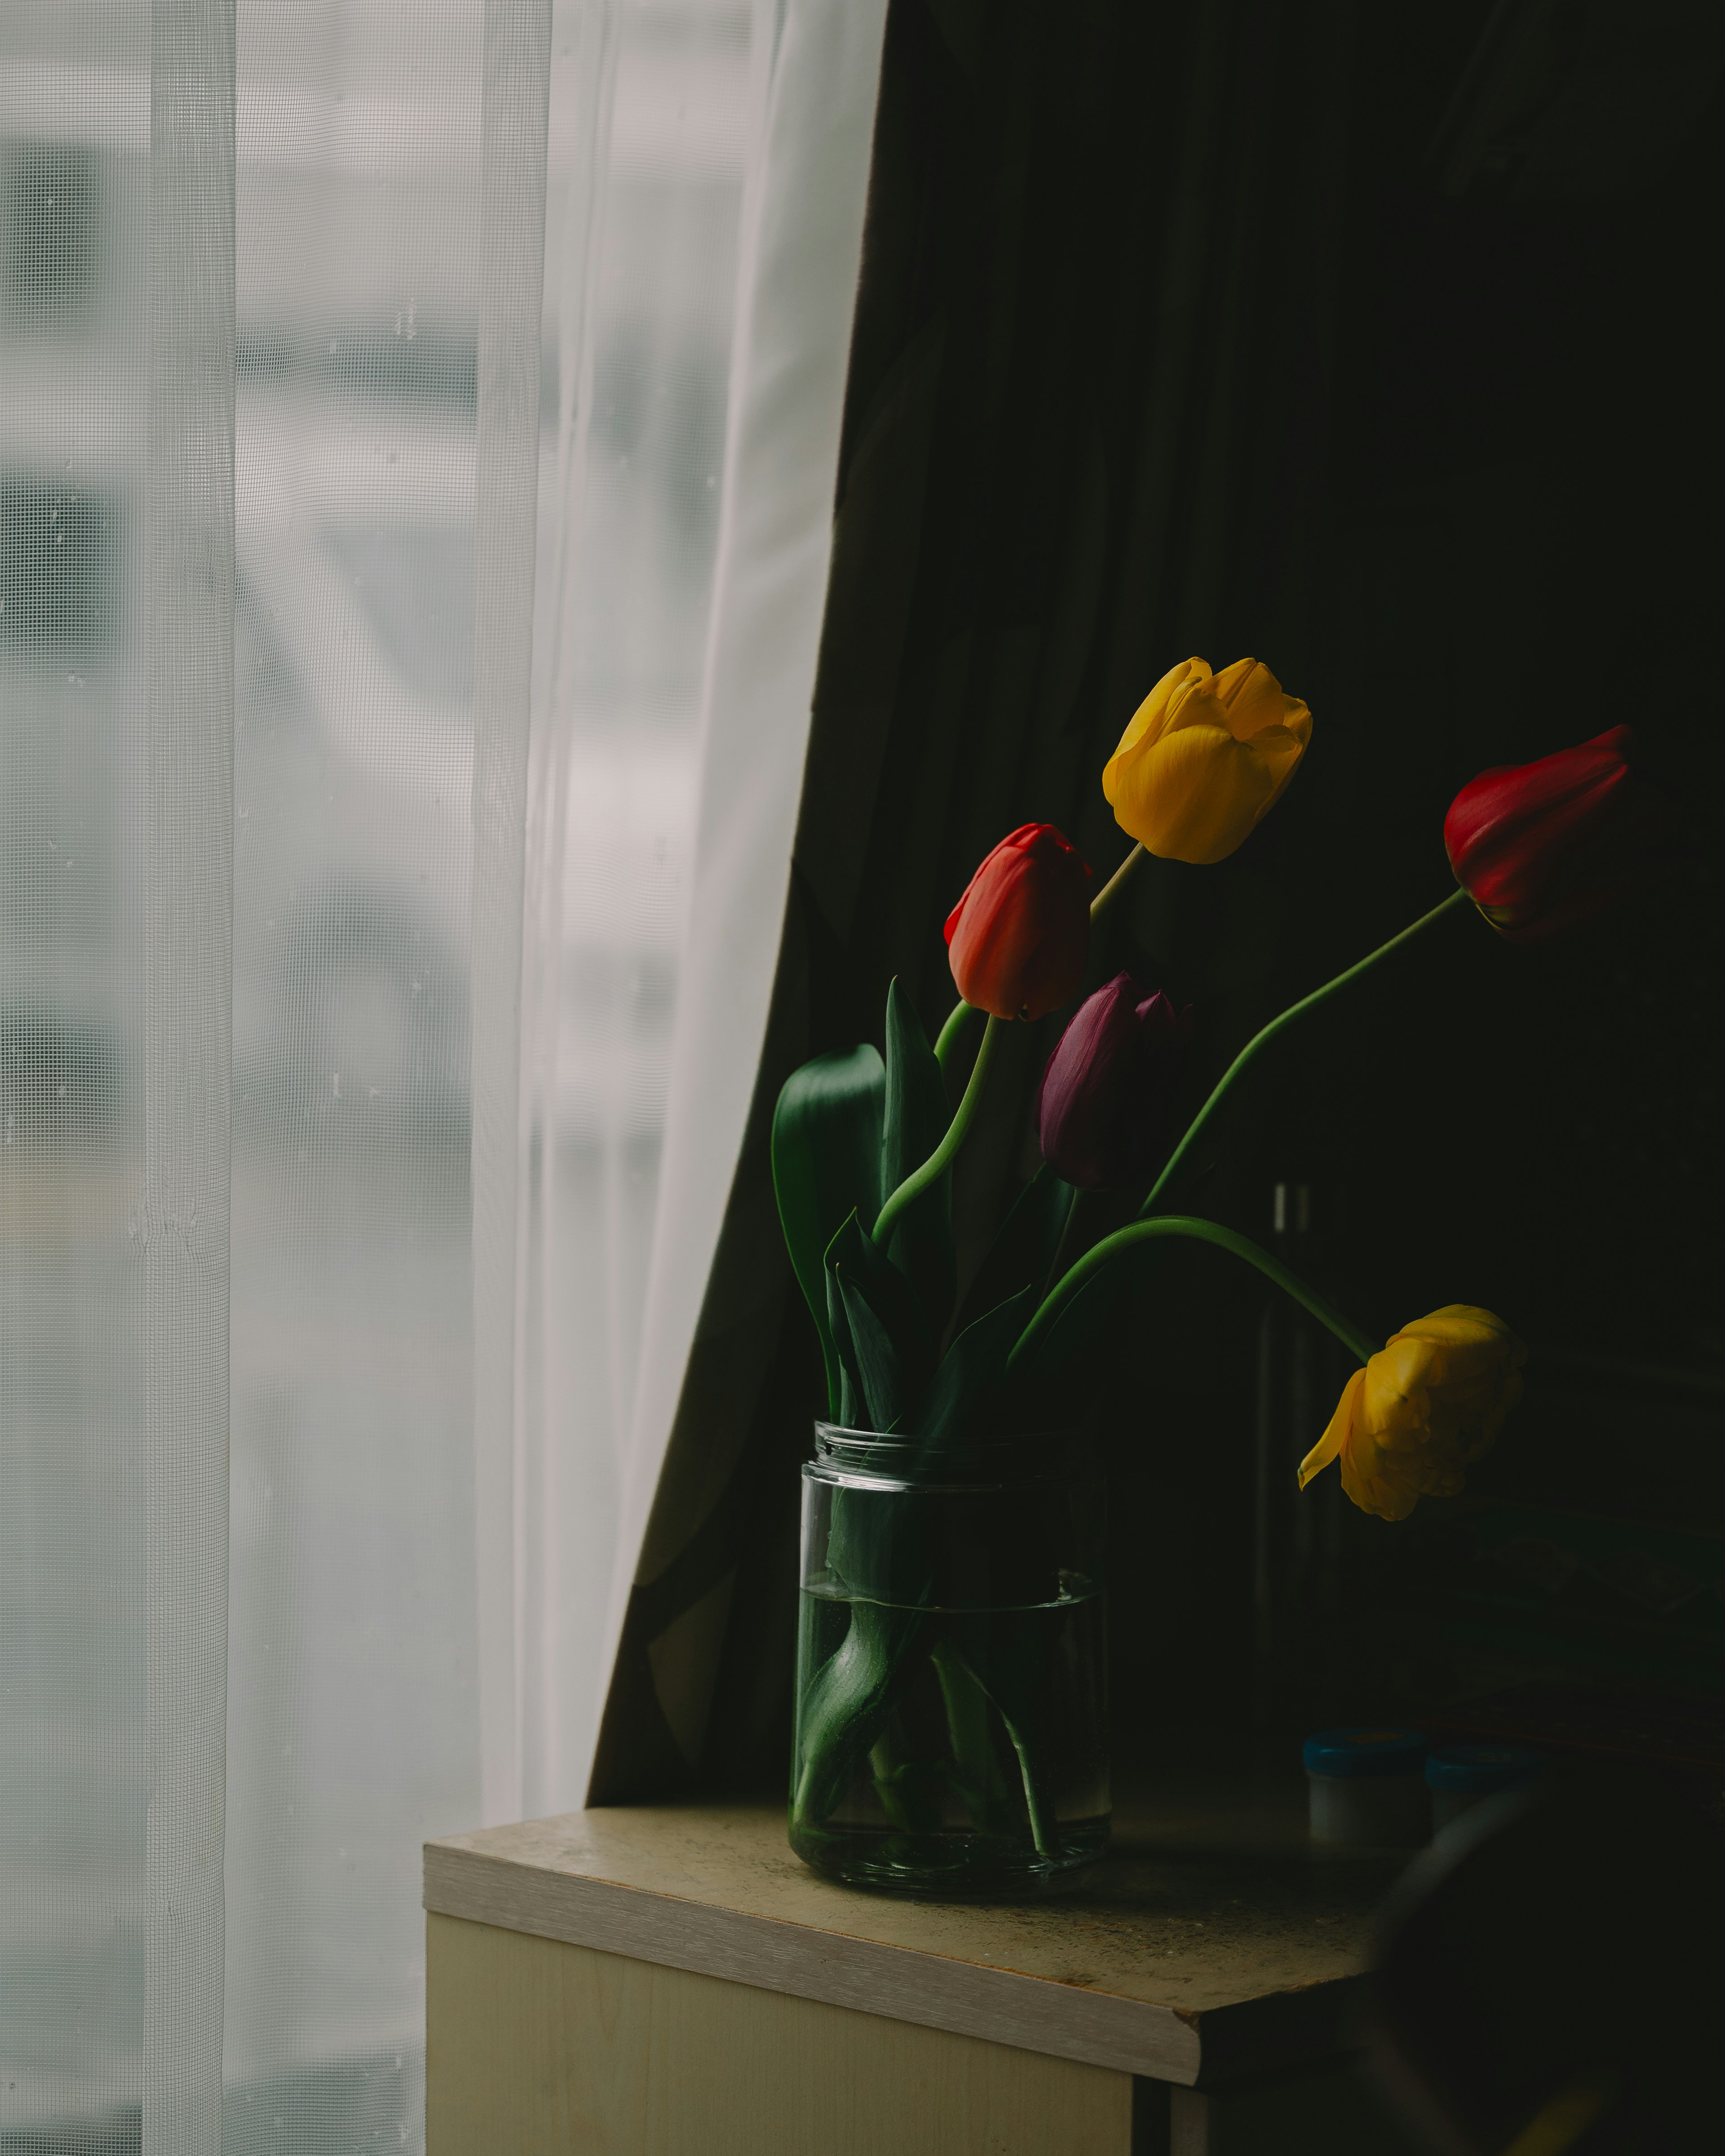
[[1379, 343]]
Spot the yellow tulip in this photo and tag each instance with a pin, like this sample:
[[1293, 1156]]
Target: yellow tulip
[[1205, 758], [1426, 1405]]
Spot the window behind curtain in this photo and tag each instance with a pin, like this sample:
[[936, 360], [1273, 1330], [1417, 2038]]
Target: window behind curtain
[[210, 1935], [351, 1729]]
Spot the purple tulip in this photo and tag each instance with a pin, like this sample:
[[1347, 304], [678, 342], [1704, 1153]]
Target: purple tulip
[[1109, 1084]]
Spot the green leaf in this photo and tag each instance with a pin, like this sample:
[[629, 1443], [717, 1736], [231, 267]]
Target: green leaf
[[915, 1122], [880, 1546], [844, 1400], [888, 1352], [1023, 1252], [844, 1395], [1006, 1650], [910, 1790], [826, 1163], [972, 1372], [977, 1769], [849, 1701], [880, 1369]]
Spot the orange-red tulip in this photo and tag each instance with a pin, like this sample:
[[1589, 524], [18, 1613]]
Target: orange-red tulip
[[1019, 935]]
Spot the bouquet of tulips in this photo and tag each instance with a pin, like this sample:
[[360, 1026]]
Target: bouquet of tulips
[[863, 1146]]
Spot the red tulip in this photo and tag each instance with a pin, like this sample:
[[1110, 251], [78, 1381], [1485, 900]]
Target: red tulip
[[1105, 1096], [1544, 847], [1021, 934]]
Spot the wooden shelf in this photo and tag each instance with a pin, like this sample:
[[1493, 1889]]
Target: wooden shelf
[[1215, 1943]]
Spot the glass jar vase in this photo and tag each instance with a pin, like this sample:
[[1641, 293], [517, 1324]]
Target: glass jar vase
[[952, 1666]]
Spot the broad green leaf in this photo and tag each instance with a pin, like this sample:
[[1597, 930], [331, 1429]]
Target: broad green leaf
[[1023, 1252], [915, 1122], [972, 1373], [849, 1701], [845, 1398], [879, 1368], [848, 1409], [910, 1790], [891, 1362], [826, 1163], [880, 1547]]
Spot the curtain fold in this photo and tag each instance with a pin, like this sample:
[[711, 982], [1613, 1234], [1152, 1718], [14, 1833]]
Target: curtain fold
[[706, 1298], [705, 183], [180, 1228], [352, 1728], [516, 88], [1059, 467]]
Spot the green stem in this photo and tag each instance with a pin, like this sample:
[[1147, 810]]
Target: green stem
[[1235, 1070], [906, 1805], [977, 1770], [950, 1031], [1067, 1233], [1204, 1231], [1105, 897], [1041, 1826], [919, 1179]]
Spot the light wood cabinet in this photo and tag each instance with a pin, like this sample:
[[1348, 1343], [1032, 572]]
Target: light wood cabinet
[[670, 1981]]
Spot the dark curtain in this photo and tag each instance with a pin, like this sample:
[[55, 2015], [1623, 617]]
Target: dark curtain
[[1219, 326]]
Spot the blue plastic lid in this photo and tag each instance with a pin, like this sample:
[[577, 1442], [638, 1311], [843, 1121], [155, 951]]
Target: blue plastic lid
[[1373, 1748], [1480, 1770]]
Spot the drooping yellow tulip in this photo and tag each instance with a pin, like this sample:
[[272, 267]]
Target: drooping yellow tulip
[[1427, 1405], [1205, 758]]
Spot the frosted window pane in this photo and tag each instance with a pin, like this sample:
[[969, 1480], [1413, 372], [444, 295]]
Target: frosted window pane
[[352, 1732]]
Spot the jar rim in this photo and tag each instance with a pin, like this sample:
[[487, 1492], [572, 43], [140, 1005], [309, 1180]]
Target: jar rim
[[911, 1458], [846, 1433]]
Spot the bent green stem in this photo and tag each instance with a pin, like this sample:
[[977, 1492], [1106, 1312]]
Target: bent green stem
[[1203, 1231], [1261, 1041], [950, 1030], [918, 1180]]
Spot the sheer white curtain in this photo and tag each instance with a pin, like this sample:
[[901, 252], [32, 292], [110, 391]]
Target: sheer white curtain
[[365, 366], [239, 265], [707, 170]]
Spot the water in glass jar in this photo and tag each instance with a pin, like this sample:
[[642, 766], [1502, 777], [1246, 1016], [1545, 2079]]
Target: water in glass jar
[[970, 1757]]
